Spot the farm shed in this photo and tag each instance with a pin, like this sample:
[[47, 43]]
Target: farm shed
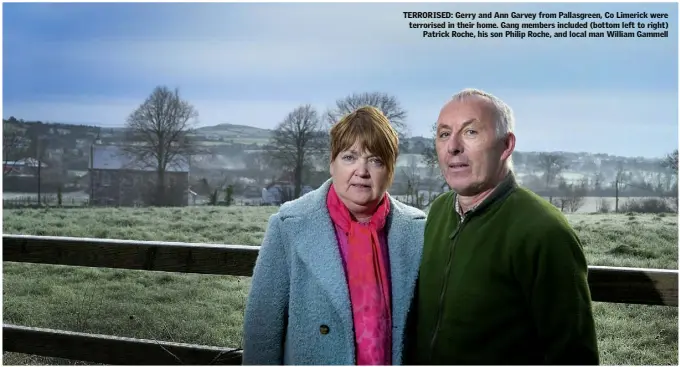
[[118, 178]]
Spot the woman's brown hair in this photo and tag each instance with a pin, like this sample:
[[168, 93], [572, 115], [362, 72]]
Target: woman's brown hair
[[372, 130]]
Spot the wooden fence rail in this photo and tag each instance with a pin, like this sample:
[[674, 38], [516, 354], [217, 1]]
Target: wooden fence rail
[[176, 257], [607, 284], [106, 349]]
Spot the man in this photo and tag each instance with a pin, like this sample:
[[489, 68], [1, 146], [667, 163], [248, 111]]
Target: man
[[503, 277]]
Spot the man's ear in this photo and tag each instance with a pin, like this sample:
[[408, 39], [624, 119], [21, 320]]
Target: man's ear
[[508, 146]]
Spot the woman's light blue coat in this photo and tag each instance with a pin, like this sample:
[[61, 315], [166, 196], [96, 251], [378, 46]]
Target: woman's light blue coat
[[299, 285]]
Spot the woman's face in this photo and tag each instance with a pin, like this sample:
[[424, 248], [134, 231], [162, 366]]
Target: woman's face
[[360, 179]]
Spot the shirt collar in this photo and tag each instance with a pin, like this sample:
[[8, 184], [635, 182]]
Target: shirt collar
[[459, 210], [502, 188]]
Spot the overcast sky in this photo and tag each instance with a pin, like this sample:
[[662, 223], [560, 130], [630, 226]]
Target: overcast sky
[[253, 63]]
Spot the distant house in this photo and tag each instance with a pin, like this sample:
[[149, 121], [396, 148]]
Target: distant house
[[279, 192], [22, 167], [118, 178], [192, 196], [77, 178]]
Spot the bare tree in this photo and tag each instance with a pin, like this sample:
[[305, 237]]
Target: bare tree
[[602, 205], [598, 177], [670, 163], [158, 134], [621, 181], [295, 140], [13, 147], [430, 152], [412, 175], [431, 160], [552, 165], [573, 196], [258, 164], [563, 189], [37, 148], [433, 179], [389, 105]]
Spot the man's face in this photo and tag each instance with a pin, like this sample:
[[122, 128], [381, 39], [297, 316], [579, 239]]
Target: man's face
[[469, 153]]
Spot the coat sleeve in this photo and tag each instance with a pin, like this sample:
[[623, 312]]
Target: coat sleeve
[[264, 324], [553, 274]]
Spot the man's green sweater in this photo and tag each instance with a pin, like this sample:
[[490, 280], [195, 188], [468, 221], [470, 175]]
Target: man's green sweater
[[506, 285]]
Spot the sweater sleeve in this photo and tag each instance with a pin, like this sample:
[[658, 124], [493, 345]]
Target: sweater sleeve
[[552, 269], [265, 317]]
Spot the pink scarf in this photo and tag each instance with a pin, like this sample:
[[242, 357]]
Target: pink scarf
[[367, 280]]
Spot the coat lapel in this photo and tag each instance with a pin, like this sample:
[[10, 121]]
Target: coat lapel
[[317, 247], [396, 247], [405, 246]]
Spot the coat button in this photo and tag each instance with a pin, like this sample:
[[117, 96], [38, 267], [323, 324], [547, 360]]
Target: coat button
[[324, 329]]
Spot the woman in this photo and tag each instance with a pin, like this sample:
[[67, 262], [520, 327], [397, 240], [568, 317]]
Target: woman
[[337, 267]]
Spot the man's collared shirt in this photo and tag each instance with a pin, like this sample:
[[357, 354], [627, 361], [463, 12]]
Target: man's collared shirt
[[459, 210], [509, 178]]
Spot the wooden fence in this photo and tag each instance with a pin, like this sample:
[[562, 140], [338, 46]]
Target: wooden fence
[[607, 284]]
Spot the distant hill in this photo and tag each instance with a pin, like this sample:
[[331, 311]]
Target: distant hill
[[76, 138], [235, 131], [232, 127]]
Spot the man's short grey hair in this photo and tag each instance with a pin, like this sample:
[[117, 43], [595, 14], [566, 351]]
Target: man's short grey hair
[[505, 119]]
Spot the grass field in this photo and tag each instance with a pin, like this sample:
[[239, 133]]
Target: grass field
[[209, 309]]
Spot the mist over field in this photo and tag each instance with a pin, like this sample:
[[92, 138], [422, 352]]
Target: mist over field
[[245, 158]]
